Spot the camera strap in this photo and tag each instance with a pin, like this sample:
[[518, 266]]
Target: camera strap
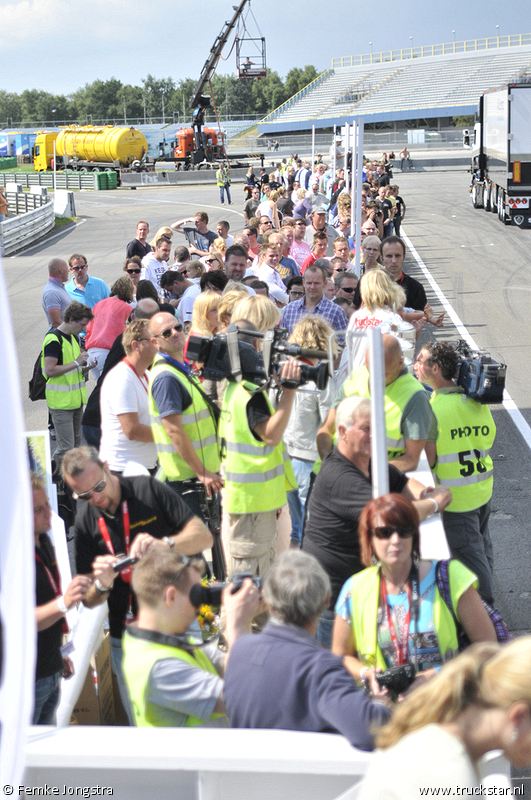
[[401, 647]]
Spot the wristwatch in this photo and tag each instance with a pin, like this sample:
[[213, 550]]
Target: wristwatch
[[101, 589], [169, 541], [61, 605]]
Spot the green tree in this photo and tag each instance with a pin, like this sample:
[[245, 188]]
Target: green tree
[[100, 100], [298, 78], [158, 94], [10, 108], [268, 93]]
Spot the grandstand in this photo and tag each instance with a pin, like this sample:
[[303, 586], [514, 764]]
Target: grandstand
[[419, 83]]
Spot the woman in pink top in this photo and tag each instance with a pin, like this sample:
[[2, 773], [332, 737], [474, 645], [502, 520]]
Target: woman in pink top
[[110, 318]]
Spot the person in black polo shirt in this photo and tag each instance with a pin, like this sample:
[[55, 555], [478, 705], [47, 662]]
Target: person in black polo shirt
[[123, 516], [393, 252], [51, 606]]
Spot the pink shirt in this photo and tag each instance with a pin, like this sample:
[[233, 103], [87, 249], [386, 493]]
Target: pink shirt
[[300, 252], [110, 317]]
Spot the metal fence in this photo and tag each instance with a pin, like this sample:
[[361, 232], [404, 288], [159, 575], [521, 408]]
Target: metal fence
[[34, 218], [64, 180]]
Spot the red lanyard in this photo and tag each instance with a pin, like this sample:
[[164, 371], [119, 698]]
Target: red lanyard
[[55, 583], [401, 650], [128, 571], [143, 379]]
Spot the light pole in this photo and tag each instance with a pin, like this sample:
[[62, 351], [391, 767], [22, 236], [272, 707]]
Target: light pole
[[370, 45], [144, 102], [411, 40], [498, 35]]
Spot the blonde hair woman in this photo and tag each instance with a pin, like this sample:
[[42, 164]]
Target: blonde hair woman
[[480, 701], [229, 299], [205, 321], [259, 310], [214, 260], [164, 231], [220, 245]]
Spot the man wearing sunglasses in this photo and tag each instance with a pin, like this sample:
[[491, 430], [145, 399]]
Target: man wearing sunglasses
[[341, 491], [82, 286], [130, 516], [183, 420]]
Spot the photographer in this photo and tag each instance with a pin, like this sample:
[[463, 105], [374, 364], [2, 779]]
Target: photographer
[[171, 682], [256, 467], [460, 459]]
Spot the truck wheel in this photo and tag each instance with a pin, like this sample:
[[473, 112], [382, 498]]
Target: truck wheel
[[84, 169], [494, 198], [503, 216], [486, 197], [477, 195]]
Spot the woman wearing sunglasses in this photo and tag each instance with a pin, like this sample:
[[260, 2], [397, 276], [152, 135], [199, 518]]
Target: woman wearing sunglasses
[[392, 612], [132, 268]]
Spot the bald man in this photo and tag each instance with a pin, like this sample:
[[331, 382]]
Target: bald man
[[408, 416], [55, 298]]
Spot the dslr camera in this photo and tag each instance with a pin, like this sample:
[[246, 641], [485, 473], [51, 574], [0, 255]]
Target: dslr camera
[[397, 679], [211, 595]]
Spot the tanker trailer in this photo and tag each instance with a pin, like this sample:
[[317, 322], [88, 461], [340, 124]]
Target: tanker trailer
[[90, 148]]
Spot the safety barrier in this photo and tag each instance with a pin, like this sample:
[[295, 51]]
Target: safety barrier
[[29, 225], [64, 180]]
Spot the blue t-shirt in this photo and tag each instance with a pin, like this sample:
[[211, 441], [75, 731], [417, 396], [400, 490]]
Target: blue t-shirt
[[94, 290]]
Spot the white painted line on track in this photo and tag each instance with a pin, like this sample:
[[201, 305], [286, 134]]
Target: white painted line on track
[[44, 241], [508, 403]]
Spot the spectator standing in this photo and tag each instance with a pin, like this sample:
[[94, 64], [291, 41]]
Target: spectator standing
[[155, 264], [223, 182], [82, 287], [314, 302], [110, 317], [320, 225], [139, 246], [199, 238], [55, 298]]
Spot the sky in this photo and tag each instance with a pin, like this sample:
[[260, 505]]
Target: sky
[[60, 45]]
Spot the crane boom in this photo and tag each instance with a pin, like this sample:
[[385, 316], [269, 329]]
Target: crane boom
[[215, 53]]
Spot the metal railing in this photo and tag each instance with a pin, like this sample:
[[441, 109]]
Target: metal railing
[[34, 218], [449, 48], [176, 118], [320, 78]]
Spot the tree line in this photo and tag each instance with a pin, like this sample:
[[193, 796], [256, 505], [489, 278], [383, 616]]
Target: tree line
[[111, 99]]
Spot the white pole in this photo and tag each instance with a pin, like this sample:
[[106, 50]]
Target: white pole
[[313, 148], [359, 184], [379, 466], [353, 188], [347, 148], [334, 157], [55, 167]]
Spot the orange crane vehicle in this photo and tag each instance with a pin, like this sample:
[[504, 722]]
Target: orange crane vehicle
[[198, 147]]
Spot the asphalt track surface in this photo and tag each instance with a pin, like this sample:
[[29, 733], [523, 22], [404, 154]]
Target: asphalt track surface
[[482, 267]]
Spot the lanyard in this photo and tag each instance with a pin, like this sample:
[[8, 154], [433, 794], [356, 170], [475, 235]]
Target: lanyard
[[55, 583], [126, 573], [400, 649], [177, 364], [143, 379]]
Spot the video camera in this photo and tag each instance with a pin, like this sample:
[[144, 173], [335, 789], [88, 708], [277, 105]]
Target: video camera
[[232, 356], [211, 595], [482, 378]]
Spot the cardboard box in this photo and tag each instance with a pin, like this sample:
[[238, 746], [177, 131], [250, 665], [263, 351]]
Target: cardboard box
[[95, 705]]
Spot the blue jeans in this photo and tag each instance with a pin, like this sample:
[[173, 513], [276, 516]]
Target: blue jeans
[[297, 497], [222, 190], [324, 629], [117, 657], [46, 699]]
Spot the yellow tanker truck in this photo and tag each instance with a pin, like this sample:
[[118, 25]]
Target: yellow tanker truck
[[90, 148]]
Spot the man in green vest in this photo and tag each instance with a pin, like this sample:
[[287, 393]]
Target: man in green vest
[[64, 366], [256, 466], [223, 181], [171, 682], [408, 415], [183, 418], [460, 460]]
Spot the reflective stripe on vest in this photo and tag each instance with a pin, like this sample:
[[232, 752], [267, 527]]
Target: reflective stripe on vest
[[465, 438], [140, 656], [396, 397], [197, 422], [256, 474], [65, 392]]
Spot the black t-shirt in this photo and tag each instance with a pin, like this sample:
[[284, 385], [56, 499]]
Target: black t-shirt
[[54, 348], [136, 248], [49, 641], [92, 414], [153, 508], [257, 411], [415, 294], [339, 495]]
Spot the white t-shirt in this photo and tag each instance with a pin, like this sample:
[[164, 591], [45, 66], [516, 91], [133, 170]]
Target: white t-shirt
[[429, 758], [363, 319], [184, 309], [152, 270], [123, 392]]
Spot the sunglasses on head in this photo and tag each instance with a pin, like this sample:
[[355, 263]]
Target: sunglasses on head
[[387, 532], [168, 332], [133, 271]]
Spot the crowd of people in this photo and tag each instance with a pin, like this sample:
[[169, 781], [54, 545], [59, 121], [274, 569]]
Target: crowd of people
[[221, 448]]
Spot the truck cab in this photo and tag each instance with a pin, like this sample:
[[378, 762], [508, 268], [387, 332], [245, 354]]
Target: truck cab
[[43, 151]]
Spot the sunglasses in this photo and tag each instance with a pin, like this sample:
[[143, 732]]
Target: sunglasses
[[348, 290], [133, 272], [168, 332], [76, 269], [341, 269], [387, 532], [95, 490]]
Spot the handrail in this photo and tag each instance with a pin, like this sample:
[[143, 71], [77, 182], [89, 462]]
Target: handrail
[[320, 78], [449, 48]]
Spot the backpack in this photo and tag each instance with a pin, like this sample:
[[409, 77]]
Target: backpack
[[37, 384], [503, 634]]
